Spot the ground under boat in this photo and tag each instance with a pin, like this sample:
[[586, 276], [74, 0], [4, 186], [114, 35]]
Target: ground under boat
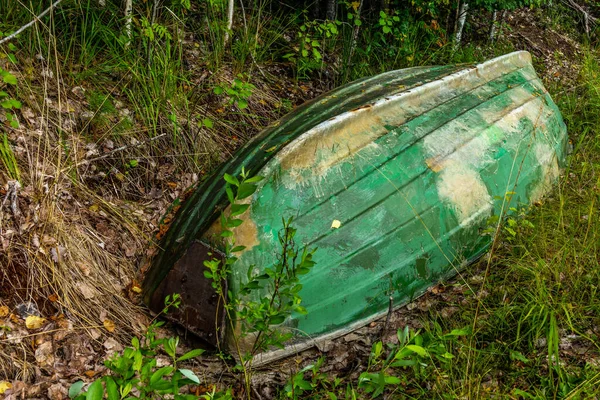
[[393, 178]]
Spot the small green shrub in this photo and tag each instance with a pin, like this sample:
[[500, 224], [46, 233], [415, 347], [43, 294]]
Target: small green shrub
[[238, 92], [135, 374], [279, 285]]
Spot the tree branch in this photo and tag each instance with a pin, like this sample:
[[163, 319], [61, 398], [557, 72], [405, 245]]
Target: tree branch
[[27, 25]]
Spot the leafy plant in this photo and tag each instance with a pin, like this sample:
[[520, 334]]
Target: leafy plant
[[312, 36], [310, 381], [388, 23], [238, 92], [135, 374], [8, 103], [414, 350], [258, 316]]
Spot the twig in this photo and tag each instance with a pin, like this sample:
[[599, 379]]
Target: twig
[[587, 18], [387, 318], [27, 25], [124, 147], [12, 197], [258, 396], [530, 43]]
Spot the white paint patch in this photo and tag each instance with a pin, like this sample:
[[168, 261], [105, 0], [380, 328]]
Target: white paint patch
[[459, 152], [546, 157], [341, 138], [464, 189]]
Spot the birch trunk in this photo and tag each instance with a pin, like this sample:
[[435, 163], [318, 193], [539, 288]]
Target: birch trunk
[[331, 10], [462, 17], [128, 18], [494, 25], [354, 37], [229, 22]]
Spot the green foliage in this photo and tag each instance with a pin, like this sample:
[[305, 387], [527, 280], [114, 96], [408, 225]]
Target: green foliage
[[389, 23], [391, 369], [317, 384], [8, 159], [515, 222], [266, 298], [134, 373], [281, 287], [278, 285], [238, 92], [8, 104], [413, 351], [312, 41]]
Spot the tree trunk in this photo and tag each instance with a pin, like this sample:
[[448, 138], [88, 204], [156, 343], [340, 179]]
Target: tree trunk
[[354, 37], [502, 19], [153, 17], [385, 6], [462, 17], [315, 10], [128, 18], [494, 25], [229, 21], [331, 9]]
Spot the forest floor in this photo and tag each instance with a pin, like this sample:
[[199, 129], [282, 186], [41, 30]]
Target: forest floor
[[86, 226]]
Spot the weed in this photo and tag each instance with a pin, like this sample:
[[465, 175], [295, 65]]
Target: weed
[[267, 298], [316, 385], [312, 39], [135, 371], [8, 159], [9, 104], [238, 92]]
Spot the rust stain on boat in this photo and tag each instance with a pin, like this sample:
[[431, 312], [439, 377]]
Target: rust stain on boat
[[245, 235]]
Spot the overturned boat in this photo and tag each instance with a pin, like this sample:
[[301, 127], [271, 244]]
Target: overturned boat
[[393, 178]]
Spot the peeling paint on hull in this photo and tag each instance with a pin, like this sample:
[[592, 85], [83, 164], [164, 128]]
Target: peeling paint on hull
[[409, 163]]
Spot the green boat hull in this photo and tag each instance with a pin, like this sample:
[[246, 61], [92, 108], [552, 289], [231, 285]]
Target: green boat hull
[[393, 178]]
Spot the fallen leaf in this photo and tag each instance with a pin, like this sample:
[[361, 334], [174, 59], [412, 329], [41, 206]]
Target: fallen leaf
[[336, 224], [34, 322], [94, 208], [135, 287], [4, 386], [53, 297], [44, 354], [90, 373], [109, 325], [86, 291], [85, 270], [3, 311], [438, 289], [112, 344]]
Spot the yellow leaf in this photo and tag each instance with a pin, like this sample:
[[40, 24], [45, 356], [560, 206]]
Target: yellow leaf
[[3, 311], [109, 325], [336, 224], [34, 322], [94, 207], [135, 288], [4, 386], [355, 5]]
